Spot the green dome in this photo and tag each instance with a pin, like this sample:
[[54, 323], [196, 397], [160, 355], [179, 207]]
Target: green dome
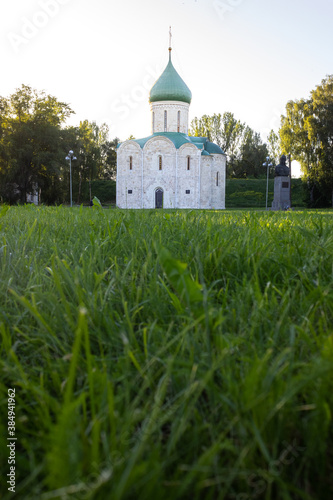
[[170, 87]]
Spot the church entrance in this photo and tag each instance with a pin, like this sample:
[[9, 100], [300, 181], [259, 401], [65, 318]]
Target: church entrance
[[159, 198]]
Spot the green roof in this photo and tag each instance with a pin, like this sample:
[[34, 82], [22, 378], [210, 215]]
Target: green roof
[[170, 87], [213, 148], [178, 139]]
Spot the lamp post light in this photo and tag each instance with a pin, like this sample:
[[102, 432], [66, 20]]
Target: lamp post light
[[69, 158], [267, 164]]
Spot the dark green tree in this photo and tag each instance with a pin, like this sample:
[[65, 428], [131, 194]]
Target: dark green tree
[[243, 147], [274, 147], [319, 126], [96, 155], [307, 133], [252, 155], [224, 130], [30, 142], [109, 159]]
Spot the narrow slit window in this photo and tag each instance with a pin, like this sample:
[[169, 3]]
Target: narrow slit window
[[188, 163], [165, 121], [178, 122], [217, 178], [160, 163], [131, 162], [153, 122]]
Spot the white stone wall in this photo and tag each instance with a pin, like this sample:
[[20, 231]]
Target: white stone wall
[[174, 177], [155, 178], [212, 194], [172, 108], [218, 188], [206, 184], [129, 180], [188, 180]]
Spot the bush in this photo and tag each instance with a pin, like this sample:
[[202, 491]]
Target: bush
[[251, 193], [104, 190]]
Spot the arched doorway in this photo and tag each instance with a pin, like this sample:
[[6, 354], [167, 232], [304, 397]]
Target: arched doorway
[[159, 198]]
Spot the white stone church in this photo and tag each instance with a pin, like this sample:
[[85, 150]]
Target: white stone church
[[170, 169]]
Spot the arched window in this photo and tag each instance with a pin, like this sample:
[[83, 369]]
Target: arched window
[[160, 163], [159, 198], [165, 121], [178, 122], [131, 162], [188, 163], [153, 122], [217, 178]]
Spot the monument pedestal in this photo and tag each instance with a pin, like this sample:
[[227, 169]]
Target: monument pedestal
[[281, 193]]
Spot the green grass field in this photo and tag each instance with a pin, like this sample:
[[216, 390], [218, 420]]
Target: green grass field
[[167, 354]]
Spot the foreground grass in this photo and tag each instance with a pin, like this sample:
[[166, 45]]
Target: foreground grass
[[167, 354]]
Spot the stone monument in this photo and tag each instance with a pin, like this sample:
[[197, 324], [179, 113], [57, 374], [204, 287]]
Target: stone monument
[[281, 186]]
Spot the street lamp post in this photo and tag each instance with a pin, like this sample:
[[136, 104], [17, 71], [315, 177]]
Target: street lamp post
[[69, 158], [289, 158], [267, 164]]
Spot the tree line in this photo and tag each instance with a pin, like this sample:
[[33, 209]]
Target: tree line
[[34, 143], [306, 133], [245, 150]]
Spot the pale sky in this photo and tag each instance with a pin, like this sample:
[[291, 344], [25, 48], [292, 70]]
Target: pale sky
[[102, 57]]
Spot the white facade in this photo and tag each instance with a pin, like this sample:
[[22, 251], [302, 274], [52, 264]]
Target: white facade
[[170, 169], [169, 116]]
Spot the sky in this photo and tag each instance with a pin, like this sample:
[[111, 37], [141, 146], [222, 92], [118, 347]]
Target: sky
[[102, 57]]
